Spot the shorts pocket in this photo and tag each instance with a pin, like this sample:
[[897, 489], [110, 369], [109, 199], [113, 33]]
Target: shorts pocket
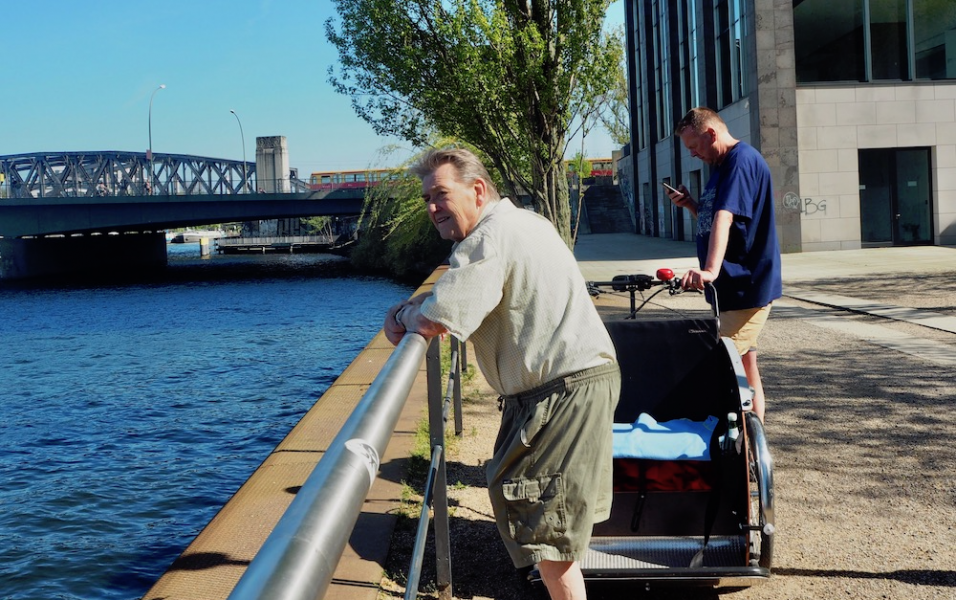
[[536, 508]]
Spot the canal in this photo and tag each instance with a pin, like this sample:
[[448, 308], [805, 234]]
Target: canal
[[132, 410]]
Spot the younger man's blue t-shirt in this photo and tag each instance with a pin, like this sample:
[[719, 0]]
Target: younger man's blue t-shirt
[[750, 274]]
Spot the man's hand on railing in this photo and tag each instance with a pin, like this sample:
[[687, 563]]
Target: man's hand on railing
[[406, 316]]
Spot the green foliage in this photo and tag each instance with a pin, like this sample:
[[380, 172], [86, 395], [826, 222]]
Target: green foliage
[[317, 225], [580, 165], [508, 77]]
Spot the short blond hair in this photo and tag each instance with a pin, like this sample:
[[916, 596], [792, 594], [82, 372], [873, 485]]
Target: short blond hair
[[699, 120]]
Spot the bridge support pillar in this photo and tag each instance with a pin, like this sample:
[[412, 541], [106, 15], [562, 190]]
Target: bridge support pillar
[[125, 254], [272, 164]]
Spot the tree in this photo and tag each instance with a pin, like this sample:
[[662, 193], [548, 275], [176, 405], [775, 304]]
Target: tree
[[507, 76], [615, 111]]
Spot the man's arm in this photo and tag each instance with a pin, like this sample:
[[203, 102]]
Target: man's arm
[[407, 316], [719, 234]]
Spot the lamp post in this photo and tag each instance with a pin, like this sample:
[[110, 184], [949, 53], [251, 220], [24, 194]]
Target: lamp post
[[150, 153], [243, 137]]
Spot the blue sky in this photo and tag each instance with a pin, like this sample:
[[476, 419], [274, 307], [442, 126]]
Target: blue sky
[[79, 76]]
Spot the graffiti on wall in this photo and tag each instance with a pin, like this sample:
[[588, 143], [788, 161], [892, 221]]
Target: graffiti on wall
[[806, 206]]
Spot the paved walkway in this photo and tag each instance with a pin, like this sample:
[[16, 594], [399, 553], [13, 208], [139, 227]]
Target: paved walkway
[[602, 256]]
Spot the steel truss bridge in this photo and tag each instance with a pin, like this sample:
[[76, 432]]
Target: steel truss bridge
[[69, 193], [87, 174], [70, 211]]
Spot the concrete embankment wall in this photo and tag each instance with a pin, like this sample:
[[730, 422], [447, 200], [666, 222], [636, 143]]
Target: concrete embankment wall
[[212, 564], [100, 254]]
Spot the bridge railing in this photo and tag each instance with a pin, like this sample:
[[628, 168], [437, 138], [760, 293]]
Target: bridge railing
[[108, 173], [298, 559], [181, 187]]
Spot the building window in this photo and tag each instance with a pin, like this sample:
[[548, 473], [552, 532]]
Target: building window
[[639, 137], [888, 40], [934, 39], [729, 26], [694, 65], [874, 40], [662, 65], [828, 40], [687, 55]]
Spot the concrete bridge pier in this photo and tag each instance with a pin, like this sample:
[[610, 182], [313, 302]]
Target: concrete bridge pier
[[128, 253]]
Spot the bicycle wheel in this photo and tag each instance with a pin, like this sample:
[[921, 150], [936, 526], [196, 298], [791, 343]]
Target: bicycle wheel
[[760, 487]]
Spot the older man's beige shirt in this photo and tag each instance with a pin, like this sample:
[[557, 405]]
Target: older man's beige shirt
[[515, 292]]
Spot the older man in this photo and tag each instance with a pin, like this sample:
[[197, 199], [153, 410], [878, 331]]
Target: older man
[[736, 235], [514, 290]]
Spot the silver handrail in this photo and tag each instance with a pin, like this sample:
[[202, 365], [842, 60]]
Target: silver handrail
[[436, 485], [298, 559]]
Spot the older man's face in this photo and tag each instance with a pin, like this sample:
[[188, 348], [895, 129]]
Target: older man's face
[[701, 145], [454, 207]]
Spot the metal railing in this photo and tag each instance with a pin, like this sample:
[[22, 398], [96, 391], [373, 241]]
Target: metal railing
[[298, 559], [436, 486]]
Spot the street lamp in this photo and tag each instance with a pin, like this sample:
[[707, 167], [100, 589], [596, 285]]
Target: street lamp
[[243, 137], [150, 153]]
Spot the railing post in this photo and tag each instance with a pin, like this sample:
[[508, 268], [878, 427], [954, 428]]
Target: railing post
[[456, 350], [436, 428]]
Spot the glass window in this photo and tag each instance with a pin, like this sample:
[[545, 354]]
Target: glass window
[[888, 39], [729, 25], [658, 50], [738, 63], [829, 40], [666, 118], [640, 105], [934, 39], [694, 65], [724, 76]]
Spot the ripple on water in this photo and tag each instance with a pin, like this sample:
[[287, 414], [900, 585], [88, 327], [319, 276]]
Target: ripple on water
[[134, 410]]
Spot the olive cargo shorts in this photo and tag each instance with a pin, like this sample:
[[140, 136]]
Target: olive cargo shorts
[[550, 476]]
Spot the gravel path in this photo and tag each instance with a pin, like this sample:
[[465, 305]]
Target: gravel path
[[865, 463]]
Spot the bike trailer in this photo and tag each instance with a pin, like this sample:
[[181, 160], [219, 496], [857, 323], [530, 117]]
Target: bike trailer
[[690, 507]]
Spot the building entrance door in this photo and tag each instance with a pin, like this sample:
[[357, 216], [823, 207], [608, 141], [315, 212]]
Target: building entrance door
[[895, 197]]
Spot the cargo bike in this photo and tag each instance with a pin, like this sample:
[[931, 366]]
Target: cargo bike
[[693, 502]]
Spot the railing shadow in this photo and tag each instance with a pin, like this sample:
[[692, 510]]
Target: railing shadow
[[934, 577]]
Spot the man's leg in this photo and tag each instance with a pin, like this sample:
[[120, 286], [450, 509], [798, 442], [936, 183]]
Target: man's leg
[[564, 580], [743, 327], [753, 376]]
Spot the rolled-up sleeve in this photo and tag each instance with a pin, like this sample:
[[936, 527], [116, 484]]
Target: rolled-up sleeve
[[470, 289]]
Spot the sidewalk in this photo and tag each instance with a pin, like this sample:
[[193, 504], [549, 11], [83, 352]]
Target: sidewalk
[[604, 255], [848, 279]]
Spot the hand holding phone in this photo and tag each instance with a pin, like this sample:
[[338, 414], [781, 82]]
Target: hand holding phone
[[671, 189]]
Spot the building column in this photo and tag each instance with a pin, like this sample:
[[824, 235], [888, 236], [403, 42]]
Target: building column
[[776, 116]]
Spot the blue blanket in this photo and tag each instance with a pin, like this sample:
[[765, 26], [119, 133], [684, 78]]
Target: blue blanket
[[670, 440]]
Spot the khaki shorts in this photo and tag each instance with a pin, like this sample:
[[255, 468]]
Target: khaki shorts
[[550, 476], [743, 326]]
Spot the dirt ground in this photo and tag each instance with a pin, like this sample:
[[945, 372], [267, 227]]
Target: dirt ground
[[864, 463]]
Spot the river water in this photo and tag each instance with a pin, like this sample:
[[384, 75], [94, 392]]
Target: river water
[[133, 410]]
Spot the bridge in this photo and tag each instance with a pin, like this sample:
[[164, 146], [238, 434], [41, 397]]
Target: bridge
[[78, 211]]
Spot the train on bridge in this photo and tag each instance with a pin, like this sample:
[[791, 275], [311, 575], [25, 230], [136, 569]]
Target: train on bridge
[[337, 180]]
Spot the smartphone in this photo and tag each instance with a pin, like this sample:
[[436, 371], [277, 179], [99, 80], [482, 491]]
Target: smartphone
[[671, 189]]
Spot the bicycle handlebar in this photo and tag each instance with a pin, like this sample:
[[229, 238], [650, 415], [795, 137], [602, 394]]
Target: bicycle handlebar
[[641, 282]]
